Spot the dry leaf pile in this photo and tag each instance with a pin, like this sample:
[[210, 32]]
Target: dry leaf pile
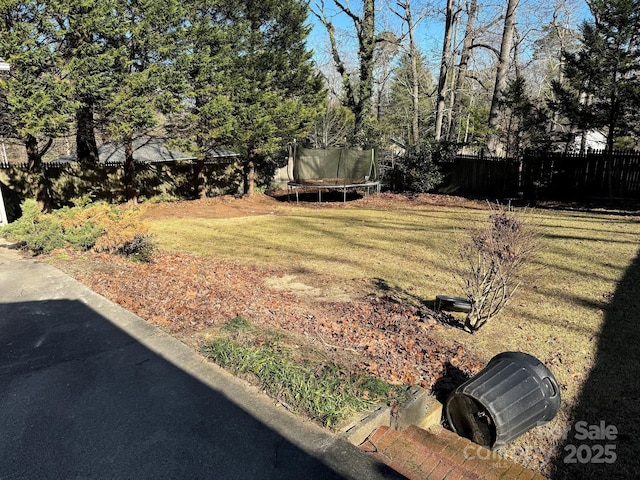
[[186, 294]]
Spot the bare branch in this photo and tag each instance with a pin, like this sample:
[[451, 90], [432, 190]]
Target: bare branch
[[335, 53], [346, 10], [478, 80], [486, 46], [492, 260]]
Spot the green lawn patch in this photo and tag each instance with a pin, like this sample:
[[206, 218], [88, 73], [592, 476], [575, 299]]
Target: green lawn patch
[[319, 389]]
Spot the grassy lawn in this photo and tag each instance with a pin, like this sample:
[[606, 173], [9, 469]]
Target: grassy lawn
[[405, 246], [557, 315]]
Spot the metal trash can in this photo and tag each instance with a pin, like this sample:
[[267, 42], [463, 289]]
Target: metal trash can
[[512, 394]]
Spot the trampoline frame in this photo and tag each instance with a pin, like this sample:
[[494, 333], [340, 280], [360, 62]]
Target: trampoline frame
[[295, 188]]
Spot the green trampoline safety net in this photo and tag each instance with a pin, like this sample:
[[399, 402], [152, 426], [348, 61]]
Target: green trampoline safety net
[[334, 166]]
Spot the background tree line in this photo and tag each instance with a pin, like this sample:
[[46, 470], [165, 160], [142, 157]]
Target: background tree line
[[509, 76]]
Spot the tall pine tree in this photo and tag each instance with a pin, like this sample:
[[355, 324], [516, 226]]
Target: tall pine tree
[[251, 80], [148, 82], [276, 93], [88, 31], [602, 79], [212, 36]]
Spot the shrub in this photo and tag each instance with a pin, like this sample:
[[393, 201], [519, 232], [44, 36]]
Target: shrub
[[490, 263], [100, 226], [81, 231], [141, 248], [36, 232], [121, 227], [82, 237], [417, 170]]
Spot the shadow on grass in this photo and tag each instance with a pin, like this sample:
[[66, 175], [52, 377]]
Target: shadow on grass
[[610, 396], [312, 195], [603, 206], [398, 294], [425, 307]]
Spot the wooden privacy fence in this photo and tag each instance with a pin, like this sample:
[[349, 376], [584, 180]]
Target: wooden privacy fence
[[596, 174], [480, 176], [105, 181], [546, 175]]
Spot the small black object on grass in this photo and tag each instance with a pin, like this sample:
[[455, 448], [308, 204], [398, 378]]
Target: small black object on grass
[[452, 304]]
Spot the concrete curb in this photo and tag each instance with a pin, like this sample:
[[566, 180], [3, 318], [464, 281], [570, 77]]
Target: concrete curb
[[420, 409]]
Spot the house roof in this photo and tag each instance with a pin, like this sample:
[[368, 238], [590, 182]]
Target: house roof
[[145, 150], [220, 155]]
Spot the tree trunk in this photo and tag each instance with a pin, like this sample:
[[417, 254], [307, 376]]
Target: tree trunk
[[561, 34], [415, 97], [201, 179], [502, 70], [86, 146], [463, 66], [357, 98], [454, 78], [366, 36], [131, 195], [34, 159], [250, 174], [415, 81], [444, 67]]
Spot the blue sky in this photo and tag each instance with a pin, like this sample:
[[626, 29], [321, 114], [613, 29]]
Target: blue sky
[[430, 30]]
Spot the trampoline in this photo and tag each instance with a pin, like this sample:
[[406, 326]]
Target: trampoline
[[341, 169]]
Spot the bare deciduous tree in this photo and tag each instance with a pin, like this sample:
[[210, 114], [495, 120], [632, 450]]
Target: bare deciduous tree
[[463, 66], [358, 91], [445, 65], [508, 35], [406, 16]]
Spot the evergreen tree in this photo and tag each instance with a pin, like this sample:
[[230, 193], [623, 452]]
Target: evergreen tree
[[147, 80], [276, 93], [239, 73], [525, 125], [88, 31], [251, 82], [37, 93], [399, 112], [211, 45], [602, 82]]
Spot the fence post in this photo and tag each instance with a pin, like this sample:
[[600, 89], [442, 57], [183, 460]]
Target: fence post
[[3, 212]]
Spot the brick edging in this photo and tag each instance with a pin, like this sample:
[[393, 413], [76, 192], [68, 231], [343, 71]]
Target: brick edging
[[439, 454]]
